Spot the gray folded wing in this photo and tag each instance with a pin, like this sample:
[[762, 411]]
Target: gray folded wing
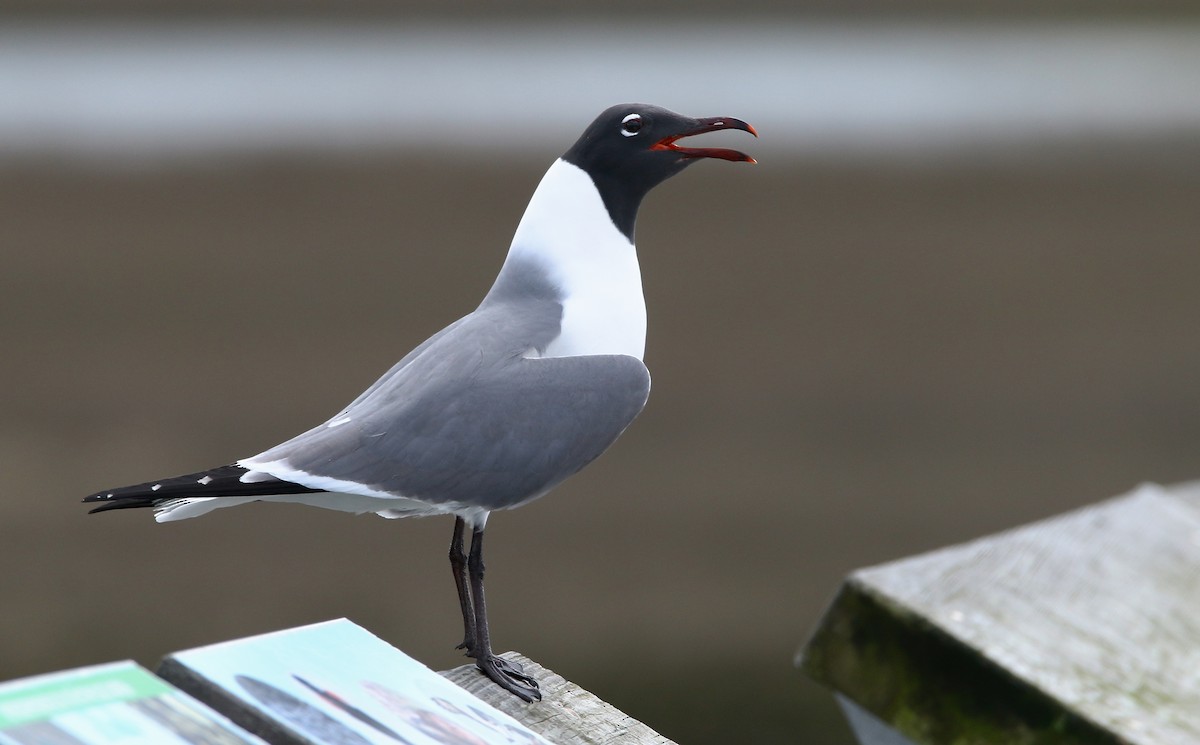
[[470, 420]]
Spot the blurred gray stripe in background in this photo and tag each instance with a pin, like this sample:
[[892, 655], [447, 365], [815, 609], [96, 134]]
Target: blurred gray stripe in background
[[179, 90]]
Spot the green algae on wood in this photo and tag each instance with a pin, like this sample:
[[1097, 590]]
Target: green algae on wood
[[1084, 628]]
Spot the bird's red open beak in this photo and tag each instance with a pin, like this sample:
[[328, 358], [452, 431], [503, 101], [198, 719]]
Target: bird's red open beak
[[710, 124]]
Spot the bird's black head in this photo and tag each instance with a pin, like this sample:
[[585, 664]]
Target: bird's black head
[[631, 148]]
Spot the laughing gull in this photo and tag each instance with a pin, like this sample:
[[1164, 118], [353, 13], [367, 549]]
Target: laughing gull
[[500, 406]]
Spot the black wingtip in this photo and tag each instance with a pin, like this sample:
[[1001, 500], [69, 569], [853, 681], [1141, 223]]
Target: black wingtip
[[122, 499], [101, 497], [122, 504], [224, 481]]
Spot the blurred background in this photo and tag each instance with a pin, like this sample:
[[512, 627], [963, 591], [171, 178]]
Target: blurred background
[[958, 293]]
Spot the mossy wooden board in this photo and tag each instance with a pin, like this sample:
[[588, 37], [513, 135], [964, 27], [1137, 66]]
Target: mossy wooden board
[[1083, 628]]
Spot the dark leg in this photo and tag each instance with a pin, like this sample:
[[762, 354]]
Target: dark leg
[[458, 565], [507, 675]]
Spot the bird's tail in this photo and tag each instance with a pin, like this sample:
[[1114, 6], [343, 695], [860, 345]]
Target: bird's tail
[[225, 481]]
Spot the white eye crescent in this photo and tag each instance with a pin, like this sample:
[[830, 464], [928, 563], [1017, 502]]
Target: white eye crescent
[[631, 125]]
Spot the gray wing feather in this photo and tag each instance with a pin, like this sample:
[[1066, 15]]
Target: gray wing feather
[[467, 421], [416, 352]]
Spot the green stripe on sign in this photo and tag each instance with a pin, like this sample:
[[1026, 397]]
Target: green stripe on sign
[[77, 692]]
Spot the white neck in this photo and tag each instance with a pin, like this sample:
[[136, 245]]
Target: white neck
[[567, 227]]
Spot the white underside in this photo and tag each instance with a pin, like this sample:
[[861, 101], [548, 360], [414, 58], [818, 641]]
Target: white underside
[[340, 495], [567, 228]]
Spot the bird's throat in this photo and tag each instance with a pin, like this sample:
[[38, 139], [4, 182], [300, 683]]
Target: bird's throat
[[567, 230]]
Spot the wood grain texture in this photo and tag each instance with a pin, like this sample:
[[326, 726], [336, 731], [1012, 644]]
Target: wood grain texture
[[566, 715], [1080, 628]]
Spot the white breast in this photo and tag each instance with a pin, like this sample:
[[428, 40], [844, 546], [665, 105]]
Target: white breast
[[567, 226]]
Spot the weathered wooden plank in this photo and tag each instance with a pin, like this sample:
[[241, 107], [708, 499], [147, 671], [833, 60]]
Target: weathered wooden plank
[[1084, 628], [566, 715]]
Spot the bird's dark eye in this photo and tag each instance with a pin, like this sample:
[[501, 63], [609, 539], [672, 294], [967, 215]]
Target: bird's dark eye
[[631, 125]]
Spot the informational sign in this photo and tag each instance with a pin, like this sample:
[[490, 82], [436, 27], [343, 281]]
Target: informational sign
[[337, 683], [115, 704]]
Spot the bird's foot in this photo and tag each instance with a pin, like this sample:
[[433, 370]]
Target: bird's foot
[[510, 677], [468, 646]]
